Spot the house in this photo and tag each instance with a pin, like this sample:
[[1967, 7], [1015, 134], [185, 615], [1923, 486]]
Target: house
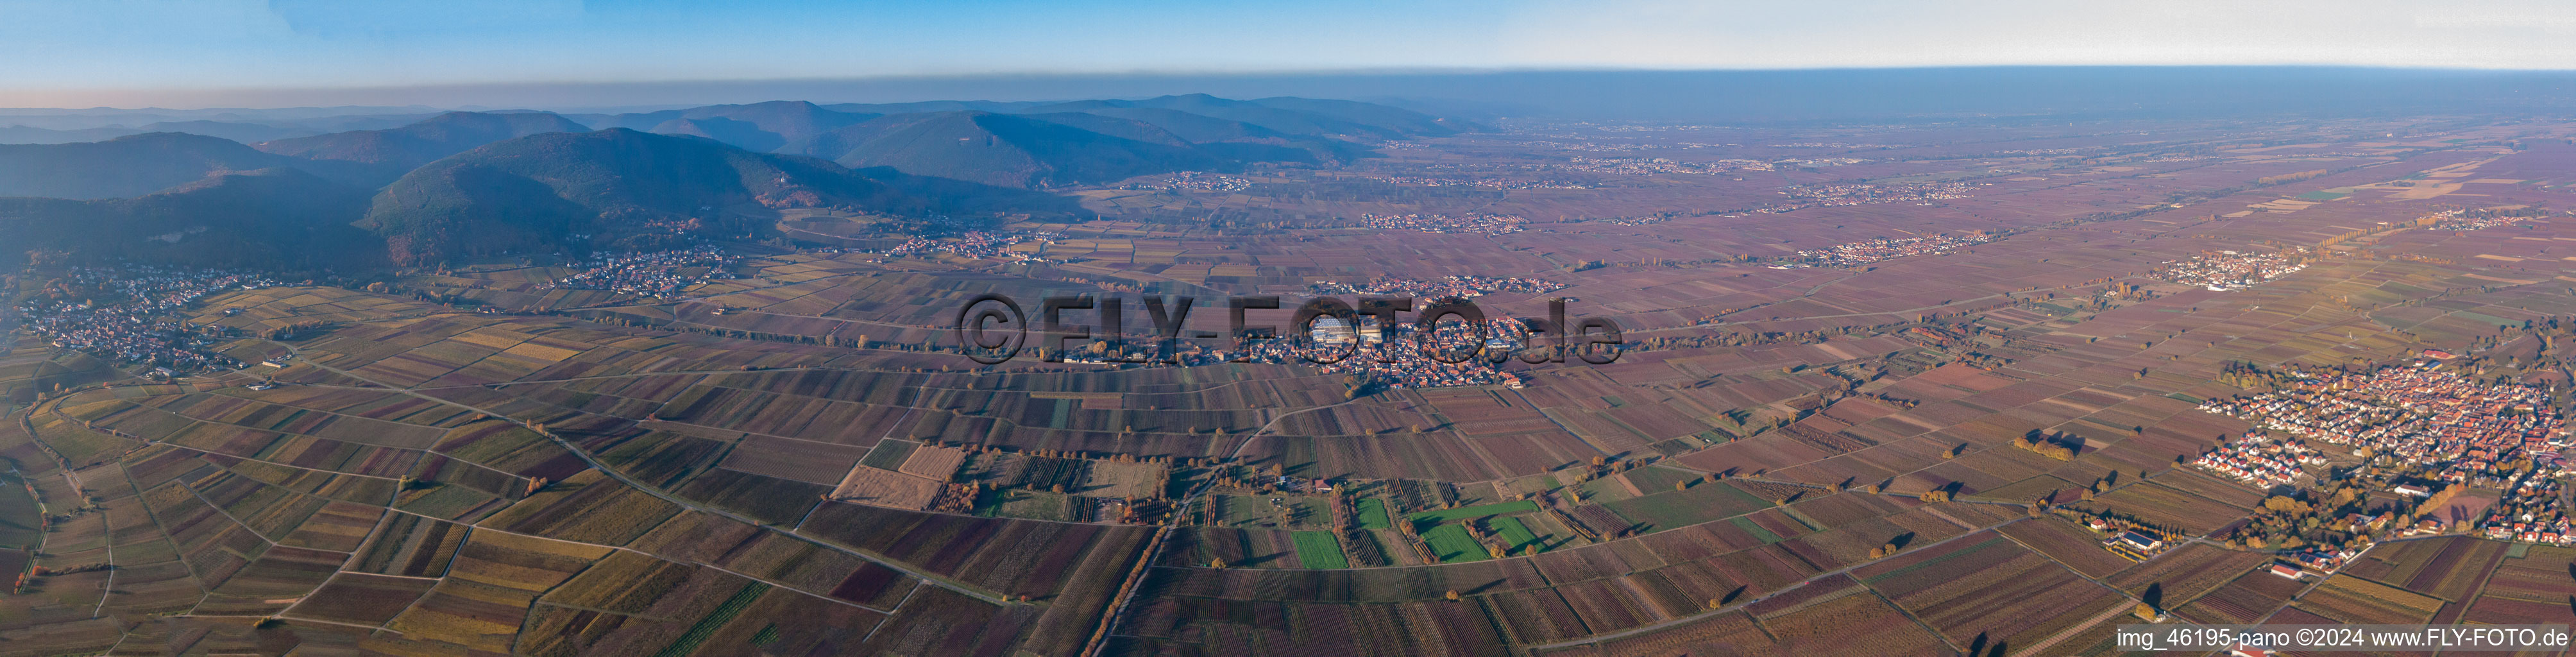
[[2286, 571], [2142, 542]]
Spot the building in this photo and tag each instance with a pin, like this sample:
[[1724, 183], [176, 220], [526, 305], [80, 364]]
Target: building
[[1330, 330], [2141, 542]]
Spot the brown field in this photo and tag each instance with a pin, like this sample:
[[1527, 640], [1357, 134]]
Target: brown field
[[423, 483], [933, 463], [2185, 572], [2247, 599], [361, 598], [2165, 506], [588, 508], [1987, 585], [2071, 545], [871, 486], [2355, 600], [1124, 480]]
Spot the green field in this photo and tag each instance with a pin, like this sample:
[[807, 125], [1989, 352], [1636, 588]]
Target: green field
[[1248, 511], [1513, 532], [1747, 525], [1655, 478], [889, 454], [19, 516], [1373, 514], [715, 620], [1477, 511], [1319, 550], [1035, 505], [1452, 544], [1682, 508]]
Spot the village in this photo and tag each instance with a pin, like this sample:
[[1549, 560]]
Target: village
[[1362, 352], [1193, 181], [122, 314], [1881, 249], [1446, 287], [1838, 194], [651, 273], [1472, 222], [2428, 432], [2259, 459], [1404, 361], [982, 245], [2233, 270], [1480, 183]]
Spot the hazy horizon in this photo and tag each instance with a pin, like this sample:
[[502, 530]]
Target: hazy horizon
[[1837, 94], [302, 52]]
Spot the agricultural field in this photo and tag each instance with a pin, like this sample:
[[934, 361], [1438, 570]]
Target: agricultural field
[[1452, 544], [1880, 385], [1471, 512], [1372, 514], [1319, 550], [2350, 599]]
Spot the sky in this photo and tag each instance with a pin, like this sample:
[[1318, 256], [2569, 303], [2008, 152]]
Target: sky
[[188, 53]]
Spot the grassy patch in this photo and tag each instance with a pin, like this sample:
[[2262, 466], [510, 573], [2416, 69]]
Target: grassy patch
[[1373, 514], [889, 454], [1655, 478], [19, 516], [1514, 533], [1452, 544], [1682, 508], [1036, 505], [715, 620], [1756, 530], [1319, 550], [1477, 511]]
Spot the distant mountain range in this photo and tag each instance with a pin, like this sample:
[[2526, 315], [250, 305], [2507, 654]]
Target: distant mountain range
[[241, 132], [267, 218], [1014, 145], [1009, 150], [394, 151], [136, 165], [532, 194], [762, 127], [466, 184]]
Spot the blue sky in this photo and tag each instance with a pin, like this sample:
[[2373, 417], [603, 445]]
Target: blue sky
[[70, 52]]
